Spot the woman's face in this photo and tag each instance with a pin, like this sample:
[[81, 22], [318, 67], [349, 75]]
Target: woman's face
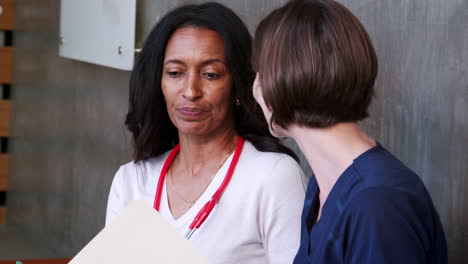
[[196, 82], [277, 131]]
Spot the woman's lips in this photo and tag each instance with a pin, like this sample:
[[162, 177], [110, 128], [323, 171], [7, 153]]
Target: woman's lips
[[191, 112]]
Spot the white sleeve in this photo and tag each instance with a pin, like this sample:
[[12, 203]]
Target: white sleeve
[[115, 204], [281, 209]]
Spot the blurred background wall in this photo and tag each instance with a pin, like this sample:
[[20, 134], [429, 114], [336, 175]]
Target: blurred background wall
[[68, 137]]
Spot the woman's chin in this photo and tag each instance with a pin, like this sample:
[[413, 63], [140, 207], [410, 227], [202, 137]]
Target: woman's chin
[[193, 130], [204, 127]]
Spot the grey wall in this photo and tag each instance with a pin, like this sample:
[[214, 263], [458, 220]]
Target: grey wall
[[421, 111], [69, 137]]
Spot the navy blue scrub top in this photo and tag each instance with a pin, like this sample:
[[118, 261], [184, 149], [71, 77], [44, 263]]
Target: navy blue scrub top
[[378, 211]]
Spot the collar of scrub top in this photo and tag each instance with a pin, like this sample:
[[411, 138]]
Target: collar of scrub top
[[208, 207]]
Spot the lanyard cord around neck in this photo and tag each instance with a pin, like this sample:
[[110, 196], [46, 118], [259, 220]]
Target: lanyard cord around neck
[[208, 207]]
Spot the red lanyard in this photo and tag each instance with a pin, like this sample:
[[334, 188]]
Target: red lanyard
[[208, 207]]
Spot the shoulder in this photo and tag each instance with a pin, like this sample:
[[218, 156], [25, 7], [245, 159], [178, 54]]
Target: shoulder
[[379, 199], [270, 169], [386, 190], [379, 168], [137, 171], [401, 226], [386, 208], [273, 183], [251, 155]]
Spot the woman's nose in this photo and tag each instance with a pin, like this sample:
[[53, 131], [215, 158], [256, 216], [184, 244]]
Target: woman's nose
[[192, 90]]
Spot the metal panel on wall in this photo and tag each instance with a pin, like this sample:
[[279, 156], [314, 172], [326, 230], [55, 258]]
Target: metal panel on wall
[[99, 31]]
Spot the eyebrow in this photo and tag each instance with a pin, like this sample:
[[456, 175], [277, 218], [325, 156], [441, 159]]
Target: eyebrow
[[204, 63]]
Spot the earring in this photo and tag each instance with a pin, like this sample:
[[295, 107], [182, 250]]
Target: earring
[[237, 102]]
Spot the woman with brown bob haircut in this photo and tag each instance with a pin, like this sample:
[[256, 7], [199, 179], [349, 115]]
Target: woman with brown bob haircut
[[316, 68]]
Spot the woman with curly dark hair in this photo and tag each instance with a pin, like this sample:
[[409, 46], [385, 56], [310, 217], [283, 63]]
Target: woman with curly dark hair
[[202, 146]]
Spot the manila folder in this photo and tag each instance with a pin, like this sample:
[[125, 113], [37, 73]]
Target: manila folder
[[139, 235]]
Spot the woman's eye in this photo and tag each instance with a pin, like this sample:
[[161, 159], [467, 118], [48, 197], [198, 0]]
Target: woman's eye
[[174, 74], [212, 76]]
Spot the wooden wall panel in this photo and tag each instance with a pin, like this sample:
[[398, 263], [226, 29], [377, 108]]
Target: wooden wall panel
[[2, 214], [3, 172], [6, 64], [5, 113], [7, 13]]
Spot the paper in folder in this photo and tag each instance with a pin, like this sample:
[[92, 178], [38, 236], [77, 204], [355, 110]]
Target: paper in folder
[[140, 235]]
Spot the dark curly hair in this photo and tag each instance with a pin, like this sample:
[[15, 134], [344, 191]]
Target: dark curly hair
[[147, 118]]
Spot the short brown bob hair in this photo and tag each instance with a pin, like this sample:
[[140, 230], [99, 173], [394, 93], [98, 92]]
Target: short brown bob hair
[[316, 63]]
